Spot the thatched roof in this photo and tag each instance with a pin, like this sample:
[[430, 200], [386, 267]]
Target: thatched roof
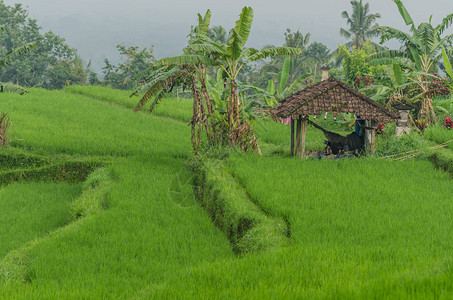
[[334, 96]]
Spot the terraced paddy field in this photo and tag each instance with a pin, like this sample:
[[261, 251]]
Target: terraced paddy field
[[261, 227]]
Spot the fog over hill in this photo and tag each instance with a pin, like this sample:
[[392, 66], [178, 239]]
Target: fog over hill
[[96, 27]]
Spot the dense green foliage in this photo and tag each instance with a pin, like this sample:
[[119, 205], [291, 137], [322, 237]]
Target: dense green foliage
[[356, 65], [52, 64], [122, 76]]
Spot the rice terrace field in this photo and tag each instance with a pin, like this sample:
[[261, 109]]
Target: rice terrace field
[[349, 228], [229, 172]]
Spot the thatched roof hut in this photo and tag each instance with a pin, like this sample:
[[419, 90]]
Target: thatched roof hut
[[334, 96]]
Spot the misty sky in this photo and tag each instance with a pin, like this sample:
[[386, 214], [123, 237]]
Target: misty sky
[[95, 27]]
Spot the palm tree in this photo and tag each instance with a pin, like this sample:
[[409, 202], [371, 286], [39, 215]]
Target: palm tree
[[297, 66], [421, 51], [362, 24]]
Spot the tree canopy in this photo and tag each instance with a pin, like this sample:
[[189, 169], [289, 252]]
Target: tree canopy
[[51, 64]]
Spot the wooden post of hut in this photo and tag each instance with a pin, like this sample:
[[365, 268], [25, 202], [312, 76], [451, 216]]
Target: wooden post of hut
[[304, 131], [292, 136], [298, 136]]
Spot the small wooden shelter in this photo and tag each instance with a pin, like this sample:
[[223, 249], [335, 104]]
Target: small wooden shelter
[[334, 96]]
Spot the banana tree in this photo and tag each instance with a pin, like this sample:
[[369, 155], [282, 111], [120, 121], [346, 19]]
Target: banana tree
[[422, 50], [231, 58], [445, 105], [186, 71], [277, 90], [448, 69]]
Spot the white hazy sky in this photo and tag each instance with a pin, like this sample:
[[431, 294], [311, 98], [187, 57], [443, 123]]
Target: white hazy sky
[[95, 27]]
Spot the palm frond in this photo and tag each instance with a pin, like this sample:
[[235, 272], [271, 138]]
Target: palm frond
[[157, 98], [415, 55], [191, 60], [448, 67], [208, 48], [6, 60], [234, 48], [345, 33], [426, 35], [389, 33], [446, 22], [7, 87], [283, 75], [243, 26], [247, 52], [154, 90], [203, 23], [403, 12]]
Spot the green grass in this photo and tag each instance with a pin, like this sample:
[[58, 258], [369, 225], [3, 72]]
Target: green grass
[[60, 122], [439, 135], [178, 109], [144, 236], [30, 210], [361, 228]]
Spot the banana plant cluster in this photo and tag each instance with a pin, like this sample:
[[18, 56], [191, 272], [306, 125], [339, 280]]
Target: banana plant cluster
[[420, 54], [224, 120], [278, 90]]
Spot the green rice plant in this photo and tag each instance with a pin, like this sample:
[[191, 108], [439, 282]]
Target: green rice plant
[[357, 229], [178, 109], [101, 93], [439, 135], [94, 198], [30, 210], [58, 122], [12, 158], [144, 238]]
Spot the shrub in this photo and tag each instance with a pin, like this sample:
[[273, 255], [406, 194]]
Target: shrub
[[448, 122], [421, 124]]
